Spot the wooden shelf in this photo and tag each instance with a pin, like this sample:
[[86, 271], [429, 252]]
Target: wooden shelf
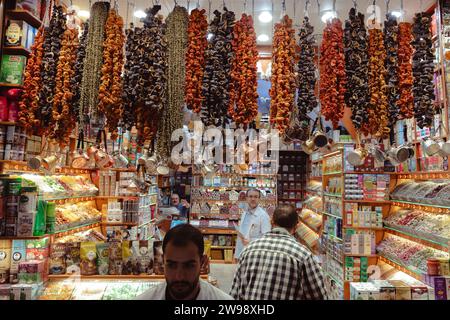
[[332, 215], [24, 238], [221, 262], [112, 224], [335, 195], [424, 175], [361, 255], [231, 201], [222, 247], [315, 178], [112, 277], [215, 216], [287, 199], [371, 172], [118, 197], [69, 199], [209, 230], [10, 85], [26, 16], [20, 51], [332, 174], [73, 230], [364, 228], [420, 206], [234, 187], [368, 201]]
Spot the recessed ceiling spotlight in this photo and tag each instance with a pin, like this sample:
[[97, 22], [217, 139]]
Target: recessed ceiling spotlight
[[397, 14], [140, 14], [328, 15], [84, 14], [263, 38], [265, 17]]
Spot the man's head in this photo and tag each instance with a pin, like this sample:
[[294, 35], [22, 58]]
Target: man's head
[[175, 199], [285, 217], [183, 257], [253, 196]]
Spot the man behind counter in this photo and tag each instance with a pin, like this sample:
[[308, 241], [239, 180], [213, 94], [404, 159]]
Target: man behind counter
[[183, 206]]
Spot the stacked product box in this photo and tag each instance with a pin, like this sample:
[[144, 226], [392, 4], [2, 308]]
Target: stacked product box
[[363, 216], [107, 183], [19, 34], [356, 269], [359, 242], [11, 69], [441, 286], [390, 290], [12, 143], [373, 187], [114, 212], [333, 226], [126, 179]]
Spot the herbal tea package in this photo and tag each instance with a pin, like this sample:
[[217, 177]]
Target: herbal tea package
[[88, 256]]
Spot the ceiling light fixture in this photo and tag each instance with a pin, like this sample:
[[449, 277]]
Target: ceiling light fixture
[[328, 15], [84, 14], [209, 36], [397, 14], [265, 17], [263, 38], [140, 14]]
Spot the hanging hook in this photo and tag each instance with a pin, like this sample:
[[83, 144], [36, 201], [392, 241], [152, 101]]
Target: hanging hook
[[198, 4], [387, 6], [355, 4], [334, 5], [283, 6], [209, 9], [318, 7], [306, 11], [294, 11], [245, 6], [223, 4], [188, 3], [253, 8]]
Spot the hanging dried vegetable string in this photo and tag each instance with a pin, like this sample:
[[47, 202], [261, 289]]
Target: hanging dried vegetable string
[[356, 67], [405, 77], [307, 100], [217, 76], [423, 71], [28, 105], [63, 112], [282, 92], [51, 48], [195, 59], [110, 91], [332, 72], [78, 75], [145, 80], [243, 107], [391, 45], [378, 106], [93, 62]]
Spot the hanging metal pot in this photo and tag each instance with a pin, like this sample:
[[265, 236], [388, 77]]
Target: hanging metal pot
[[80, 159], [444, 148], [320, 139], [430, 146], [357, 157], [36, 162], [399, 155], [377, 153], [120, 161], [308, 146], [102, 158]]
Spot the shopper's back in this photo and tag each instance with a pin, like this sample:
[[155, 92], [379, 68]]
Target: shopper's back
[[277, 267]]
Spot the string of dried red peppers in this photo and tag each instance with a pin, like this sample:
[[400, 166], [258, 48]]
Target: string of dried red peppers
[[332, 70], [195, 59], [282, 92], [243, 107], [405, 76]]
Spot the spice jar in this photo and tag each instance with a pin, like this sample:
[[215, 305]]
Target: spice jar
[[433, 267]]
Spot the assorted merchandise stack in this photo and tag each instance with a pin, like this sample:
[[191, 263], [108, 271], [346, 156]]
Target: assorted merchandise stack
[[219, 199]]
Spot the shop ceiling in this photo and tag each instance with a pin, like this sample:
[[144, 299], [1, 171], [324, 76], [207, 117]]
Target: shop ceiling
[[294, 8]]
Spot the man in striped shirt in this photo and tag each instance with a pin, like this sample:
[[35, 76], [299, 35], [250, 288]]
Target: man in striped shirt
[[277, 266]]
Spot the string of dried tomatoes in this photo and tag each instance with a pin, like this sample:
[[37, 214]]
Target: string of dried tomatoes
[[405, 77]]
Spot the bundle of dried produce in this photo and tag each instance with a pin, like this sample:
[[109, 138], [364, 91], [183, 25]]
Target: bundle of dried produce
[[423, 71], [195, 59], [405, 77], [243, 107], [110, 91], [28, 105], [63, 112], [306, 100], [378, 121], [356, 67], [333, 80], [391, 45], [282, 92], [93, 62], [145, 78], [217, 75], [77, 78], [51, 48]]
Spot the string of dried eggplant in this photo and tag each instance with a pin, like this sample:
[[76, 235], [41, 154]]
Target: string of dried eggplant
[[51, 48], [333, 82], [391, 45], [63, 113], [282, 92], [195, 59], [217, 75], [243, 107], [423, 71], [93, 62], [110, 91], [356, 67], [78, 75], [28, 105]]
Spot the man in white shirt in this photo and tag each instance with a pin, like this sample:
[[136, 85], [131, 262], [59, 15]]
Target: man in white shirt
[[183, 248], [254, 222]]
